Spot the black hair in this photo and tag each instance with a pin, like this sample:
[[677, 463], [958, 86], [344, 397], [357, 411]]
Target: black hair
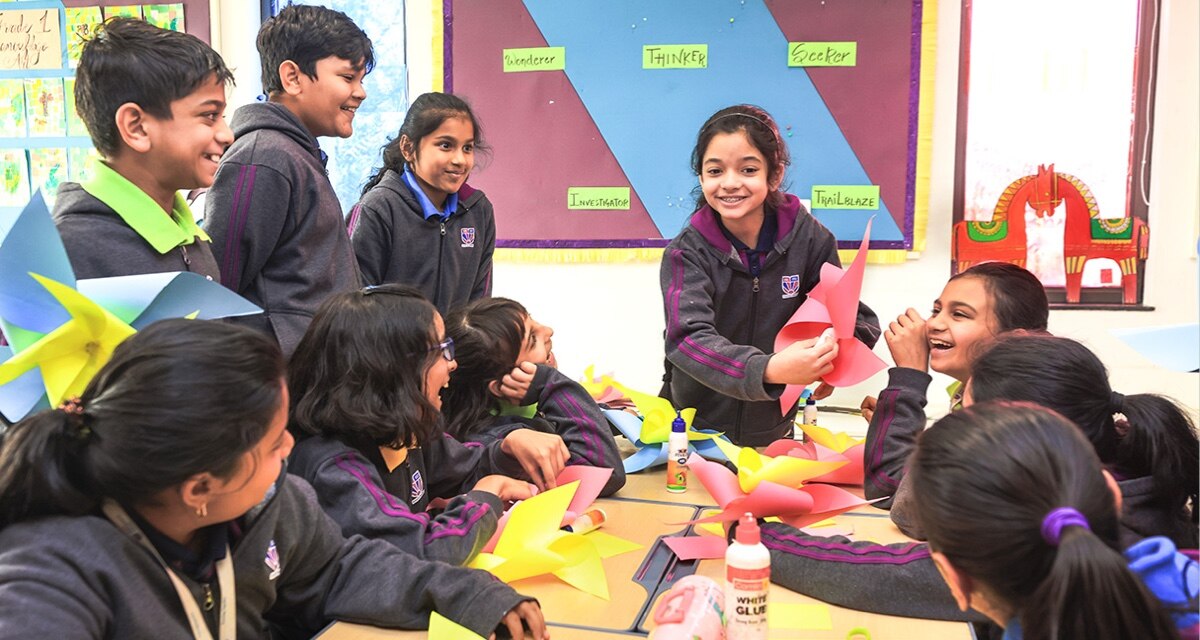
[[424, 116], [178, 398], [1157, 438], [488, 334], [307, 34], [988, 476], [358, 374], [1018, 297], [134, 61], [763, 134]]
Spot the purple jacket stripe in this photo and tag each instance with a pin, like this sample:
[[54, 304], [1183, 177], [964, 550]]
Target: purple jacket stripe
[[474, 512], [383, 499], [686, 349], [837, 552], [587, 430], [881, 479], [714, 355]]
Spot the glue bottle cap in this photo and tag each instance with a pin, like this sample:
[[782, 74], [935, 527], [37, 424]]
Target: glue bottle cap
[[747, 531], [678, 425]]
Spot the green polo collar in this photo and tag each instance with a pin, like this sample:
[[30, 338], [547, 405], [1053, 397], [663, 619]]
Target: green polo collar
[[142, 213]]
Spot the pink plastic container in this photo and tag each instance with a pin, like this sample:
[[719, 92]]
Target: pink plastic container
[[693, 609]]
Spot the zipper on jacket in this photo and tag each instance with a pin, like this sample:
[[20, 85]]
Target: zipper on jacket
[[209, 601], [437, 290], [753, 319], [186, 260]]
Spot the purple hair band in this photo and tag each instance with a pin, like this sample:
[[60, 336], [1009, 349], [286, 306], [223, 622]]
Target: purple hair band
[[1059, 519]]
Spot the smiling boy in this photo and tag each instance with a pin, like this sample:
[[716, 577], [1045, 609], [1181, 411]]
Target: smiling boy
[[275, 220], [153, 102]]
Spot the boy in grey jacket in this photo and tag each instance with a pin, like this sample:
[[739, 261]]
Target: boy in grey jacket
[[272, 213]]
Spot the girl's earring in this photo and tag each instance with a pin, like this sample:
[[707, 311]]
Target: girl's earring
[[202, 511]]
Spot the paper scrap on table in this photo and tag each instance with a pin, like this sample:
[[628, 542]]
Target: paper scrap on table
[[782, 615], [833, 302], [443, 628], [697, 547]]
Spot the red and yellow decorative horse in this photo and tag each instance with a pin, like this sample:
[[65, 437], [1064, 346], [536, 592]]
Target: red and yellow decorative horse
[[1086, 235]]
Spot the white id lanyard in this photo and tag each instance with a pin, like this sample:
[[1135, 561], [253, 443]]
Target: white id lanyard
[[226, 615]]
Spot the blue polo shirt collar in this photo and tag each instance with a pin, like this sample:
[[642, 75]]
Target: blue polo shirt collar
[[427, 208]]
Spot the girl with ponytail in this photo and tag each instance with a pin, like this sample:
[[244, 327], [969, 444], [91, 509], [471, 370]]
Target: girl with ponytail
[[1021, 519], [155, 506]]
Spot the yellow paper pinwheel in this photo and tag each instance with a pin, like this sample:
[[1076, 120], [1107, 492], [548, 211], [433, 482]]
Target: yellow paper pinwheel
[[838, 442], [827, 446], [71, 354], [532, 545], [754, 468], [650, 433]]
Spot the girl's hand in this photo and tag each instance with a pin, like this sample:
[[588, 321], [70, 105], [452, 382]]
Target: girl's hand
[[868, 408], [515, 384], [529, 613], [907, 340], [542, 455], [506, 488], [823, 390], [802, 362]]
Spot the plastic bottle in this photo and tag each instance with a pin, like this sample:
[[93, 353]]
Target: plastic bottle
[[747, 578], [677, 453], [691, 609], [810, 411]]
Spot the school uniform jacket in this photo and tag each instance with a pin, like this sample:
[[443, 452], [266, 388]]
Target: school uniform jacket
[[276, 225], [450, 261], [81, 577], [564, 407], [355, 488], [721, 321], [100, 244]]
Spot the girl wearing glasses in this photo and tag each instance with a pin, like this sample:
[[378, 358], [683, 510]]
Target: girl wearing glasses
[[366, 383], [507, 376]]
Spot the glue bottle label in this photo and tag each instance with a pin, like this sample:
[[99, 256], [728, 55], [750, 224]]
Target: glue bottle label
[[746, 602], [677, 470]]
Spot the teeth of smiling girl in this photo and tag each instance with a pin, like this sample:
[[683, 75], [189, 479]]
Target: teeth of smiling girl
[[938, 344]]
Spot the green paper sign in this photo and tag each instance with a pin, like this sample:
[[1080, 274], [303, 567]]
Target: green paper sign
[[845, 196], [822, 54], [675, 56], [535, 59], [598, 198]]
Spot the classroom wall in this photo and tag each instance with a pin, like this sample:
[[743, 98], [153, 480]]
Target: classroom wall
[[610, 315]]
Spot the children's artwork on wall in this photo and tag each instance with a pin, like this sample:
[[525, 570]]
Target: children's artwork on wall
[[75, 125], [124, 11], [592, 108], [81, 26], [12, 108], [44, 99], [164, 16], [79, 163], [47, 170], [30, 36], [16, 178]]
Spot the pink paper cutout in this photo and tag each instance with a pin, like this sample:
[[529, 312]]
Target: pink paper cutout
[[850, 474], [591, 482], [697, 547], [833, 302]]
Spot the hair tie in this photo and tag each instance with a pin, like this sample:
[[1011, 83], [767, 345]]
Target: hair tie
[[1116, 402], [1059, 519], [73, 407]]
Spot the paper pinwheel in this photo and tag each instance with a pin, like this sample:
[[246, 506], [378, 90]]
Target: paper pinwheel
[[532, 544], [833, 303], [591, 482], [772, 486], [826, 446], [649, 434], [61, 331]]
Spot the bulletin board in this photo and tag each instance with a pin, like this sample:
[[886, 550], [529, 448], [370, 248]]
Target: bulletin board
[[42, 141], [592, 108]]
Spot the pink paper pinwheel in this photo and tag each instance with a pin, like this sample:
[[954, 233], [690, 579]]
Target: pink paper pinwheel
[[773, 486], [833, 303], [825, 446]]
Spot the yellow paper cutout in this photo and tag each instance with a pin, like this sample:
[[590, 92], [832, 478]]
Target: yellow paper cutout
[[799, 616], [70, 355], [838, 442], [532, 545], [754, 467], [657, 413], [443, 628]]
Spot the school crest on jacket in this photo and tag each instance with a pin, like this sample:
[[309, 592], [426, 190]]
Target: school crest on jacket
[[467, 235]]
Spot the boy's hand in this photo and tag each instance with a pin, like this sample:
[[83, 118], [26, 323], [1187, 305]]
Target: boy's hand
[[515, 384], [868, 408], [907, 341], [542, 455], [802, 362], [823, 390], [506, 488], [529, 613]]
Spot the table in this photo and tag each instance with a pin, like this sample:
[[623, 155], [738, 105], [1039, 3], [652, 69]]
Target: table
[[642, 511]]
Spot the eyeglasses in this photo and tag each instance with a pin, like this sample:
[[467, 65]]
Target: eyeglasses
[[447, 349]]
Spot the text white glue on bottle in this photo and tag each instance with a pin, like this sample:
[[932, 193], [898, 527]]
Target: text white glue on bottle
[[747, 579], [677, 454]]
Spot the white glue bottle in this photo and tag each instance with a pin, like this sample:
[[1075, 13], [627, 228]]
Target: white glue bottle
[[677, 454], [810, 411], [747, 578]]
